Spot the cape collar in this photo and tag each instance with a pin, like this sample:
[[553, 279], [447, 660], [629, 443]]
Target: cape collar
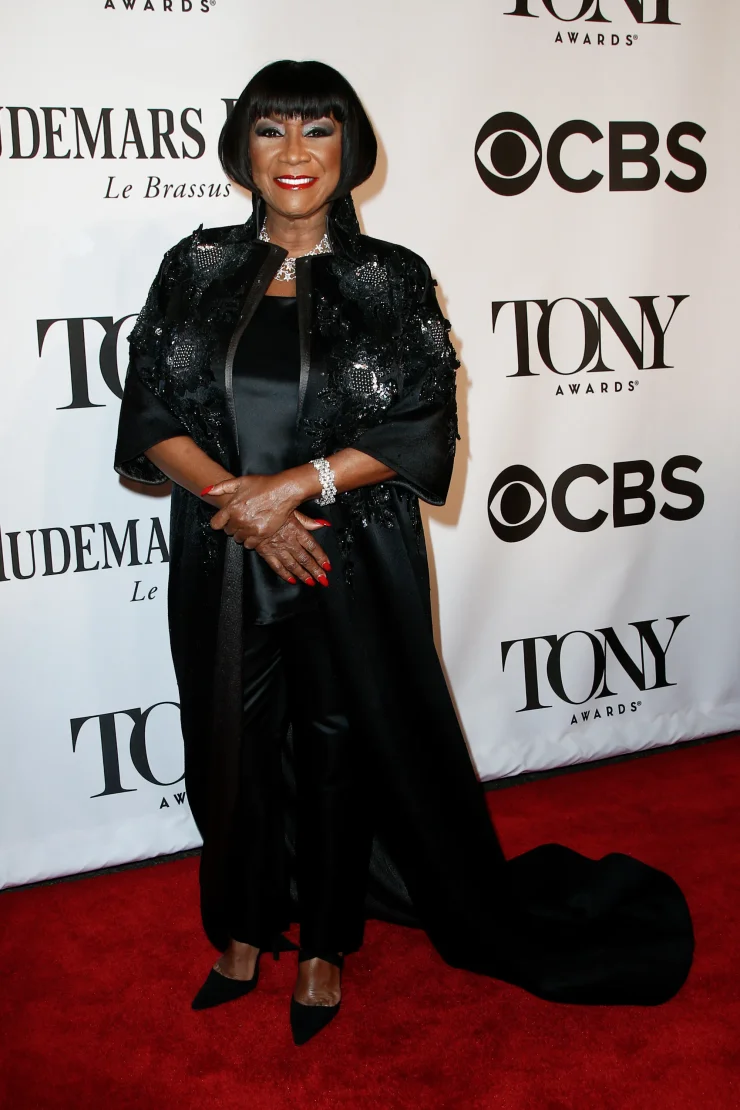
[[342, 225]]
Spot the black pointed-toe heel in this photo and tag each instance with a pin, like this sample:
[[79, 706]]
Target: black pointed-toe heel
[[307, 1021], [219, 988]]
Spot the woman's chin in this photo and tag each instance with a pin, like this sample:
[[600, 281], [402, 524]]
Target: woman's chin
[[295, 205]]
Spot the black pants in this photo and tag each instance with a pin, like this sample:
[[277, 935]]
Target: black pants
[[290, 677]]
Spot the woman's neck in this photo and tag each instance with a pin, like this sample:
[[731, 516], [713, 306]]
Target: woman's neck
[[296, 235]]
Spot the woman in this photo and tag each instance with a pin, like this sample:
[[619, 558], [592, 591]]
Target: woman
[[295, 380]]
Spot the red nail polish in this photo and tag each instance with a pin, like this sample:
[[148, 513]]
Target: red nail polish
[[326, 565], [206, 491], [323, 579], [326, 523], [309, 582], [292, 580]]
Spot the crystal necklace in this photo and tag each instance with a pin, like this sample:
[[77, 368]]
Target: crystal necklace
[[287, 266]]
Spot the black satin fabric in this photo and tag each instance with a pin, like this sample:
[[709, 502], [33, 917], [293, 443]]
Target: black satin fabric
[[265, 385], [290, 679], [565, 927], [376, 373]]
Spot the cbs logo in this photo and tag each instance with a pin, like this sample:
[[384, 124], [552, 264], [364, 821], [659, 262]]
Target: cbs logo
[[517, 501], [509, 155]]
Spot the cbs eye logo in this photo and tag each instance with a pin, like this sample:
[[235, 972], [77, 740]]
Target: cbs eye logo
[[509, 155], [517, 501], [513, 512], [514, 143]]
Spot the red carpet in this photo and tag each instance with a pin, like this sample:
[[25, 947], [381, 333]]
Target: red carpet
[[97, 977]]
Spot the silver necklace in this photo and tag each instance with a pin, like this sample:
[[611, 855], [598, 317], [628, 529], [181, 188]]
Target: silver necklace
[[287, 266]]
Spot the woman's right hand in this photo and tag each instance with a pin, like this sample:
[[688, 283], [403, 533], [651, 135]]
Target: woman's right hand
[[292, 551]]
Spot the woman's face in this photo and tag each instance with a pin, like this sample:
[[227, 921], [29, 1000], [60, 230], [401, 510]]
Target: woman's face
[[296, 163]]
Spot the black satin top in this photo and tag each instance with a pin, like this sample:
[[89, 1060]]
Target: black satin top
[[265, 384]]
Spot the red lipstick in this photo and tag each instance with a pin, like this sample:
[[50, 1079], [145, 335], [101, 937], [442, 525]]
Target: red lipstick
[[294, 181]]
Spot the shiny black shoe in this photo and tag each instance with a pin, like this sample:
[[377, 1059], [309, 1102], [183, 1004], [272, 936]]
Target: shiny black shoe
[[307, 1021], [219, 988]]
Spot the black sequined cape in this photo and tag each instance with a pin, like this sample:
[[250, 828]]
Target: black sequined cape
[[377, 373]]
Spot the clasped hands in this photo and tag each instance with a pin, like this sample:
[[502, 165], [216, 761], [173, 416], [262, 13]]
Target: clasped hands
[[261, 512]]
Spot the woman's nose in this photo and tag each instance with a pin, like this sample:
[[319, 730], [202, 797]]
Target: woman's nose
[[294, 149]]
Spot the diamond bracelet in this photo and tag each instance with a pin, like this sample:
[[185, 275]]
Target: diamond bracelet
[[326, 477]]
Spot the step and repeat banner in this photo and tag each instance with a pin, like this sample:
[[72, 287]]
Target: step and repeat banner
[[569, 168]]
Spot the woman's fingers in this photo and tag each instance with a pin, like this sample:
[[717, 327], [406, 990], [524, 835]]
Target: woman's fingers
[[231, 485], [297, 538], [307, 541], [220, 519], [254, 529], [293, 556], [254, 506], [315, 550], [297, 559], [310, 522], [308, 566], [292, 551], [303, 573], [280, 569], [303, 558], [283, 563], [250, 533]]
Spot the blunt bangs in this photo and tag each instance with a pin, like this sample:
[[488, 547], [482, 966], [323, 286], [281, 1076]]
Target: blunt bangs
[[300, 90]]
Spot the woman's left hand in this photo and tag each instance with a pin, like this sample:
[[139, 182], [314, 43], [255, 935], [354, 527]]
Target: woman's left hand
[[257, 506], [294, 553]]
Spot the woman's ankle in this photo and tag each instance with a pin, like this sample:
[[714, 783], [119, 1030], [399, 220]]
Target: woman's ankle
[[238, 960], [318, 983]]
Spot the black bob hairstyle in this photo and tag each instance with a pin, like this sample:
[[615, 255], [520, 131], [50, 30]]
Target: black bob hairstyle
[[300, 90]]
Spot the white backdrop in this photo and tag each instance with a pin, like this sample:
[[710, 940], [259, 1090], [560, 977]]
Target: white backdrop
[[90, 745]]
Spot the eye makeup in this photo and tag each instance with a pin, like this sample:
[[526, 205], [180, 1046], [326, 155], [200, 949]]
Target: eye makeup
[[319, 128], [271, 129], [268, 129]]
